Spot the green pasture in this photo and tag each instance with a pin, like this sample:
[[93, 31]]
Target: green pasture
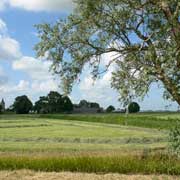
[[104, 132], [125, 144]]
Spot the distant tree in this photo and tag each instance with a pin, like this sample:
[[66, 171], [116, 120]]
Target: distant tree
[[55, 102], [83, 103], [41, 106], [94, 105], [110, 109], [22, 105], [133, 107], [67, 104], [10, 108]]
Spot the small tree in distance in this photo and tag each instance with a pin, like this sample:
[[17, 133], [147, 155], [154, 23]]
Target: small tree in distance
[[110, 109], [133, 107]]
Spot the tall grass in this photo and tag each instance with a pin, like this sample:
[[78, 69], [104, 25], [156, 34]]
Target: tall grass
[[154, 164]]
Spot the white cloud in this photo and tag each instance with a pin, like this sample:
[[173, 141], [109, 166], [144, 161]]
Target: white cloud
[[3, 27], [35, 68], [3, 77], [100, 90], [10, 48], [42, 5], [10, 88], [44, 86], [22, 86], [38, 71], [2, 4], [40, 80]]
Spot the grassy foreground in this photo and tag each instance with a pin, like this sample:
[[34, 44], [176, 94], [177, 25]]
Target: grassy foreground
[[151, 164], [88, 143]]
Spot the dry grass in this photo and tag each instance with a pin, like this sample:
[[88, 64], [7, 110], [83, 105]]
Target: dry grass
[[30, 175]]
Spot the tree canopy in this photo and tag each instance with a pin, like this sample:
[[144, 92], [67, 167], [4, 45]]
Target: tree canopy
[[110, 109], [143, 37], [22, 105], [133, 107], [53, 103]]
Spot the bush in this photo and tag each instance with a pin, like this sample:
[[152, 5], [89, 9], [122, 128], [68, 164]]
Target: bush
[[110, 109], [174, 139], [133, 107]]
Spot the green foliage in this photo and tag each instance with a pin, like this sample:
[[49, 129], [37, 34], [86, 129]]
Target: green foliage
[[133, 107], [142, 37], [67, 104], [110, 109], [174, 138], [83, 103], [53, 103], [94, 105], [41, 106], [22, 105], [86, 104]]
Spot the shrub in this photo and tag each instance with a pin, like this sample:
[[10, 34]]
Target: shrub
[[133, 107], [174, 139], [110, 109]]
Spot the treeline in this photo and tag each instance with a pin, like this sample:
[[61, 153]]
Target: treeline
[[54, 102]]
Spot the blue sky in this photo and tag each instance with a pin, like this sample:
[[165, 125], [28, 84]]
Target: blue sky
[[22, 73]]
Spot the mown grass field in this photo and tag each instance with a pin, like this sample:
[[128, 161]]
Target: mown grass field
[[104, 143]]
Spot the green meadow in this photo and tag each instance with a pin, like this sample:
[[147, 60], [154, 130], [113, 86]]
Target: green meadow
[[88, 143]]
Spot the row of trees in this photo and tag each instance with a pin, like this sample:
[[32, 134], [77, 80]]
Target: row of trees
[[52, 103], [57, 103]]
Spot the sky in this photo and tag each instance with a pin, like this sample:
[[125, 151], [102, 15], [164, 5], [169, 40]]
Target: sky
[[21, 72]]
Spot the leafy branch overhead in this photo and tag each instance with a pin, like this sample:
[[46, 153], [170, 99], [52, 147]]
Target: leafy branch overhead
[[144, 37]]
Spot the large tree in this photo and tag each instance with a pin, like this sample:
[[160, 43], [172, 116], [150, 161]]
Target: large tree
[[53, 103], [142, 35], [22, 105]]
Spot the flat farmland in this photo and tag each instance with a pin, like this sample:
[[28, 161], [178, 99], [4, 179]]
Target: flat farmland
[[32, 134], [105, 143]]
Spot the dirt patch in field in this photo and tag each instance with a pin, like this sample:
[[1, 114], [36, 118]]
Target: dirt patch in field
[[30, 175]]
